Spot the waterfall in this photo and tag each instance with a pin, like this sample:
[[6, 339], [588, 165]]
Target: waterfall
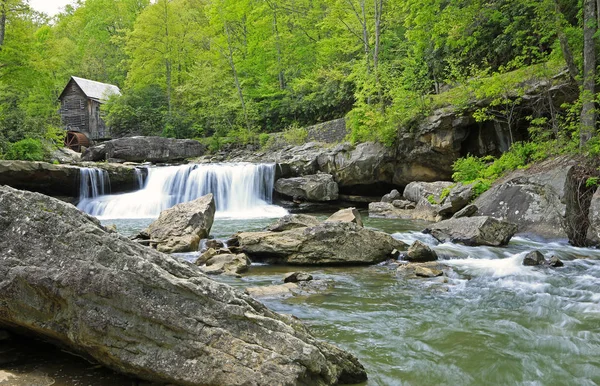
[[240, 190], [93, 182], [139, 177]]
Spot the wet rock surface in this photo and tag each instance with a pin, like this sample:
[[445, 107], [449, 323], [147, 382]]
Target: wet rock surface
[[420, 252], [315, 187], [346, 215], [329, 243], [180, 228], [479, 230], [141, 312]]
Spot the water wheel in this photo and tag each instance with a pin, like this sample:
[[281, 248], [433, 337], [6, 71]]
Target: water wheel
[[75, 140]]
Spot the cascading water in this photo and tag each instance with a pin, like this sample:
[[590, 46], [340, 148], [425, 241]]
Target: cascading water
[[241, 190], [139, 177], [93, 182]]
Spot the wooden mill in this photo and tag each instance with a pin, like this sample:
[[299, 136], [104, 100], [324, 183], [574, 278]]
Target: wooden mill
[[80, 111]]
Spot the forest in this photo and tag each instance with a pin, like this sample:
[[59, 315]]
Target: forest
[[232, 70]]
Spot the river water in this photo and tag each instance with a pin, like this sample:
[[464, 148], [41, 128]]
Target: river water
[[493, 322], [489, 321]]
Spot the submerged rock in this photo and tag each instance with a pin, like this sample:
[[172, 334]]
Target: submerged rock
[[346, 215], [316, 187], [180, 228], [295, 277], [141, 312], [555, 262], [421, 270], [329, 243], [479, 230], [420, 252]]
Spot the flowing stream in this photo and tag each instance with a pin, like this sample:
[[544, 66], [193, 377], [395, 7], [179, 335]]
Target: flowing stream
[[490, 321]]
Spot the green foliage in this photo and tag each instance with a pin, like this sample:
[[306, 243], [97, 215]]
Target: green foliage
[[263, 139], [468, 169], [28, 149], [432, 200], [591, 182], [295, 135]]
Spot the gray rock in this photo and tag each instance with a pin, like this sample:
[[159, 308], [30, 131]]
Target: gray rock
[[95, 153], [228, 264], [420, 253], [421, 270], [479, 230], [290, 221], [180, 228], [64, 155], [534, 258], [329, 243], [205, 256], [145, 149], [295, 277], [467, 211], [346, 215], [533, 198], [316, 187], [555, 262], [141, 312], [415, 191], [390, 197], [403, 204], [593, 233], [214, 243], [61, 180], [387, 210], [272, 290]]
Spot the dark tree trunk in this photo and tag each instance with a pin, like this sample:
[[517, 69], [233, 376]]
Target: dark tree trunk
[[2, 21], [588, 110]]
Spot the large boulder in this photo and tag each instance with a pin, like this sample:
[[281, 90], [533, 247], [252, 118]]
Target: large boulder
[[387, 210], [95, 153], [180, 228], [417, 190], [479, 230], [593, 233], [316, 187], [329, 243], [535, 199], [292, 221], [146, 149], [346, 215], [420, 252], [65, 279], [227, 263]]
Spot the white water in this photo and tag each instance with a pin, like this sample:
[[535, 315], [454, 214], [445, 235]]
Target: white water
[[241, 190], [93, 182]]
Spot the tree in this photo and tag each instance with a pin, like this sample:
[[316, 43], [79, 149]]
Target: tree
[[588, 94]]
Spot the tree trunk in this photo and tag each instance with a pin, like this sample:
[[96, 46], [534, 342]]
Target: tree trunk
[[564, 44], [236, 80], [280, 73], [378, 13], [588, 111], [2, 21], [168, 66]]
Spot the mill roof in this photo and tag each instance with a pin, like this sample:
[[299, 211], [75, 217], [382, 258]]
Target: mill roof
[[95, 90]]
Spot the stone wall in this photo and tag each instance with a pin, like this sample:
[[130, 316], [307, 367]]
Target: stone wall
[[328, 132]]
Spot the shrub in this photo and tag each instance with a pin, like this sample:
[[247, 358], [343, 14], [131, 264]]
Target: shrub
[[468, 169], [28, 149]]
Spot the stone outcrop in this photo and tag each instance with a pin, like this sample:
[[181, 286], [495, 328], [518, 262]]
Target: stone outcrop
[[292, 221], [180, 228], [391, 196], [65, 279], [227, 264], [145, 149], [329, 243], [417, 190], [534, 258], [387, 210], [534, 198], [315, 187], [420, 253], [346, 215], [479, 230], [61, 180]]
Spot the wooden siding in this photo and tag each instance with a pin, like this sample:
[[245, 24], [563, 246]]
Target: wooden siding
[[79, 113]]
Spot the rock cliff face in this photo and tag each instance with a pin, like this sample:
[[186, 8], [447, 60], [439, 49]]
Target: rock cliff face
[[65, 279], [145, 149], [61, 180]]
